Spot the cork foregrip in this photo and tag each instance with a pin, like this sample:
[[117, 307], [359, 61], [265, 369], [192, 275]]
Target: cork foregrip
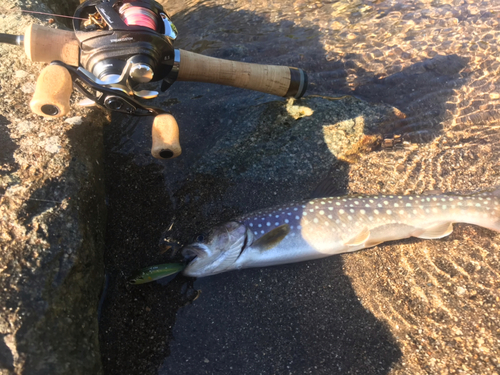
[[271, 79], [45, 44]]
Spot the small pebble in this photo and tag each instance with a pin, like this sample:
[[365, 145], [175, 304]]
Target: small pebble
[[77, 120]]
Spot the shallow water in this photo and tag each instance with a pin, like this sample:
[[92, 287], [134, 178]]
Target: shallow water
[[409, 307]]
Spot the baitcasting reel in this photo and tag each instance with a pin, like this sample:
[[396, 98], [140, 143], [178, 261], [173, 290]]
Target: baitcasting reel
[[116, 46]]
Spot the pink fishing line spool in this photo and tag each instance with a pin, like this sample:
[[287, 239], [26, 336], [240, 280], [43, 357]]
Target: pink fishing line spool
[[139, 16]]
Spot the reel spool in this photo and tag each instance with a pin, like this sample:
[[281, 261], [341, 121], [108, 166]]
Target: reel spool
[[138, 16]]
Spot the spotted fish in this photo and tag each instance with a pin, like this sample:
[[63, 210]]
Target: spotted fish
[[326, 226]]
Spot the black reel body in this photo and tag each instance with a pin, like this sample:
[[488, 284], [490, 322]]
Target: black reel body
[[119, 31], [123, 43]]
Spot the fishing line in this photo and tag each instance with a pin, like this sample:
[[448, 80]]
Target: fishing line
[[139, 16], [43, 13]]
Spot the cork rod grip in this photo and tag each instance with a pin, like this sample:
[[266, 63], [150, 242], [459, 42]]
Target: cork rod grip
[[52, 92], [165, 134], [45, 44], [271, 79]]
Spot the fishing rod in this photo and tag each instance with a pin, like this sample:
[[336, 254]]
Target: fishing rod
[[117, 45]]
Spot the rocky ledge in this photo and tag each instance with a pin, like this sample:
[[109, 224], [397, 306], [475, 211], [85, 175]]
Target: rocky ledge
[[52, 215]]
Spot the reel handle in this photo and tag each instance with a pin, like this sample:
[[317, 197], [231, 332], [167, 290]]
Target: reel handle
[[271, 79], [165, 132], [53, 89]]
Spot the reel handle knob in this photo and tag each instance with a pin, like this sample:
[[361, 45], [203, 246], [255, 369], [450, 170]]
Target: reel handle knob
[[165, 133], [53, 89]]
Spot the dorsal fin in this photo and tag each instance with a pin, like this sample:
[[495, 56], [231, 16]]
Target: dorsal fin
[[435, 231], [272, 238], [360, 238]]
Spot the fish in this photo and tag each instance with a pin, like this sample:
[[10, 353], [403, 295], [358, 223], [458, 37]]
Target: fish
[[152, 273], [322, 227]]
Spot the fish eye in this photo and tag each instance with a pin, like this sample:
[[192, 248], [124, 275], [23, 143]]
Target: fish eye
[[200, 238]]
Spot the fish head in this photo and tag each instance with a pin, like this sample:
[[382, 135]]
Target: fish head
[[217, 250]]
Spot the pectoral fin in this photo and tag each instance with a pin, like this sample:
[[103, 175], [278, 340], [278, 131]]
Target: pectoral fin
[[435, 231], [272, 238], [360, 238]]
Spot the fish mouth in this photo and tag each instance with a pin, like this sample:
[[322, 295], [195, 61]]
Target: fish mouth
[[193, 251]]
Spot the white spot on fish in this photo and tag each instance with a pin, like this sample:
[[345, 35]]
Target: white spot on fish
[[311, 210], [260, 225], [322, 212], [316, 220], [297, 218], [277, 216], [304, 213], [363, 212], [388, 212], [330, 216], [396, 205], [276, 224], [295, 208], [337, 203], [299, 227], [356, 202], [443, 207], [349, 217], [341, 211], [326, 223], [351, 210], [401, 212], [330, 208], [251, 224], [268, 224], [385, 202], [367, 205], [478, 204], [287, 221], [262, 231], [408, 204]]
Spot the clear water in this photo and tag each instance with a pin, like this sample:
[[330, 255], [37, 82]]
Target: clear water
[[411, 307]]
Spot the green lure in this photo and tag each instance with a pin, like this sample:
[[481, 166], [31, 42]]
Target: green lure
[[152, 273]]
